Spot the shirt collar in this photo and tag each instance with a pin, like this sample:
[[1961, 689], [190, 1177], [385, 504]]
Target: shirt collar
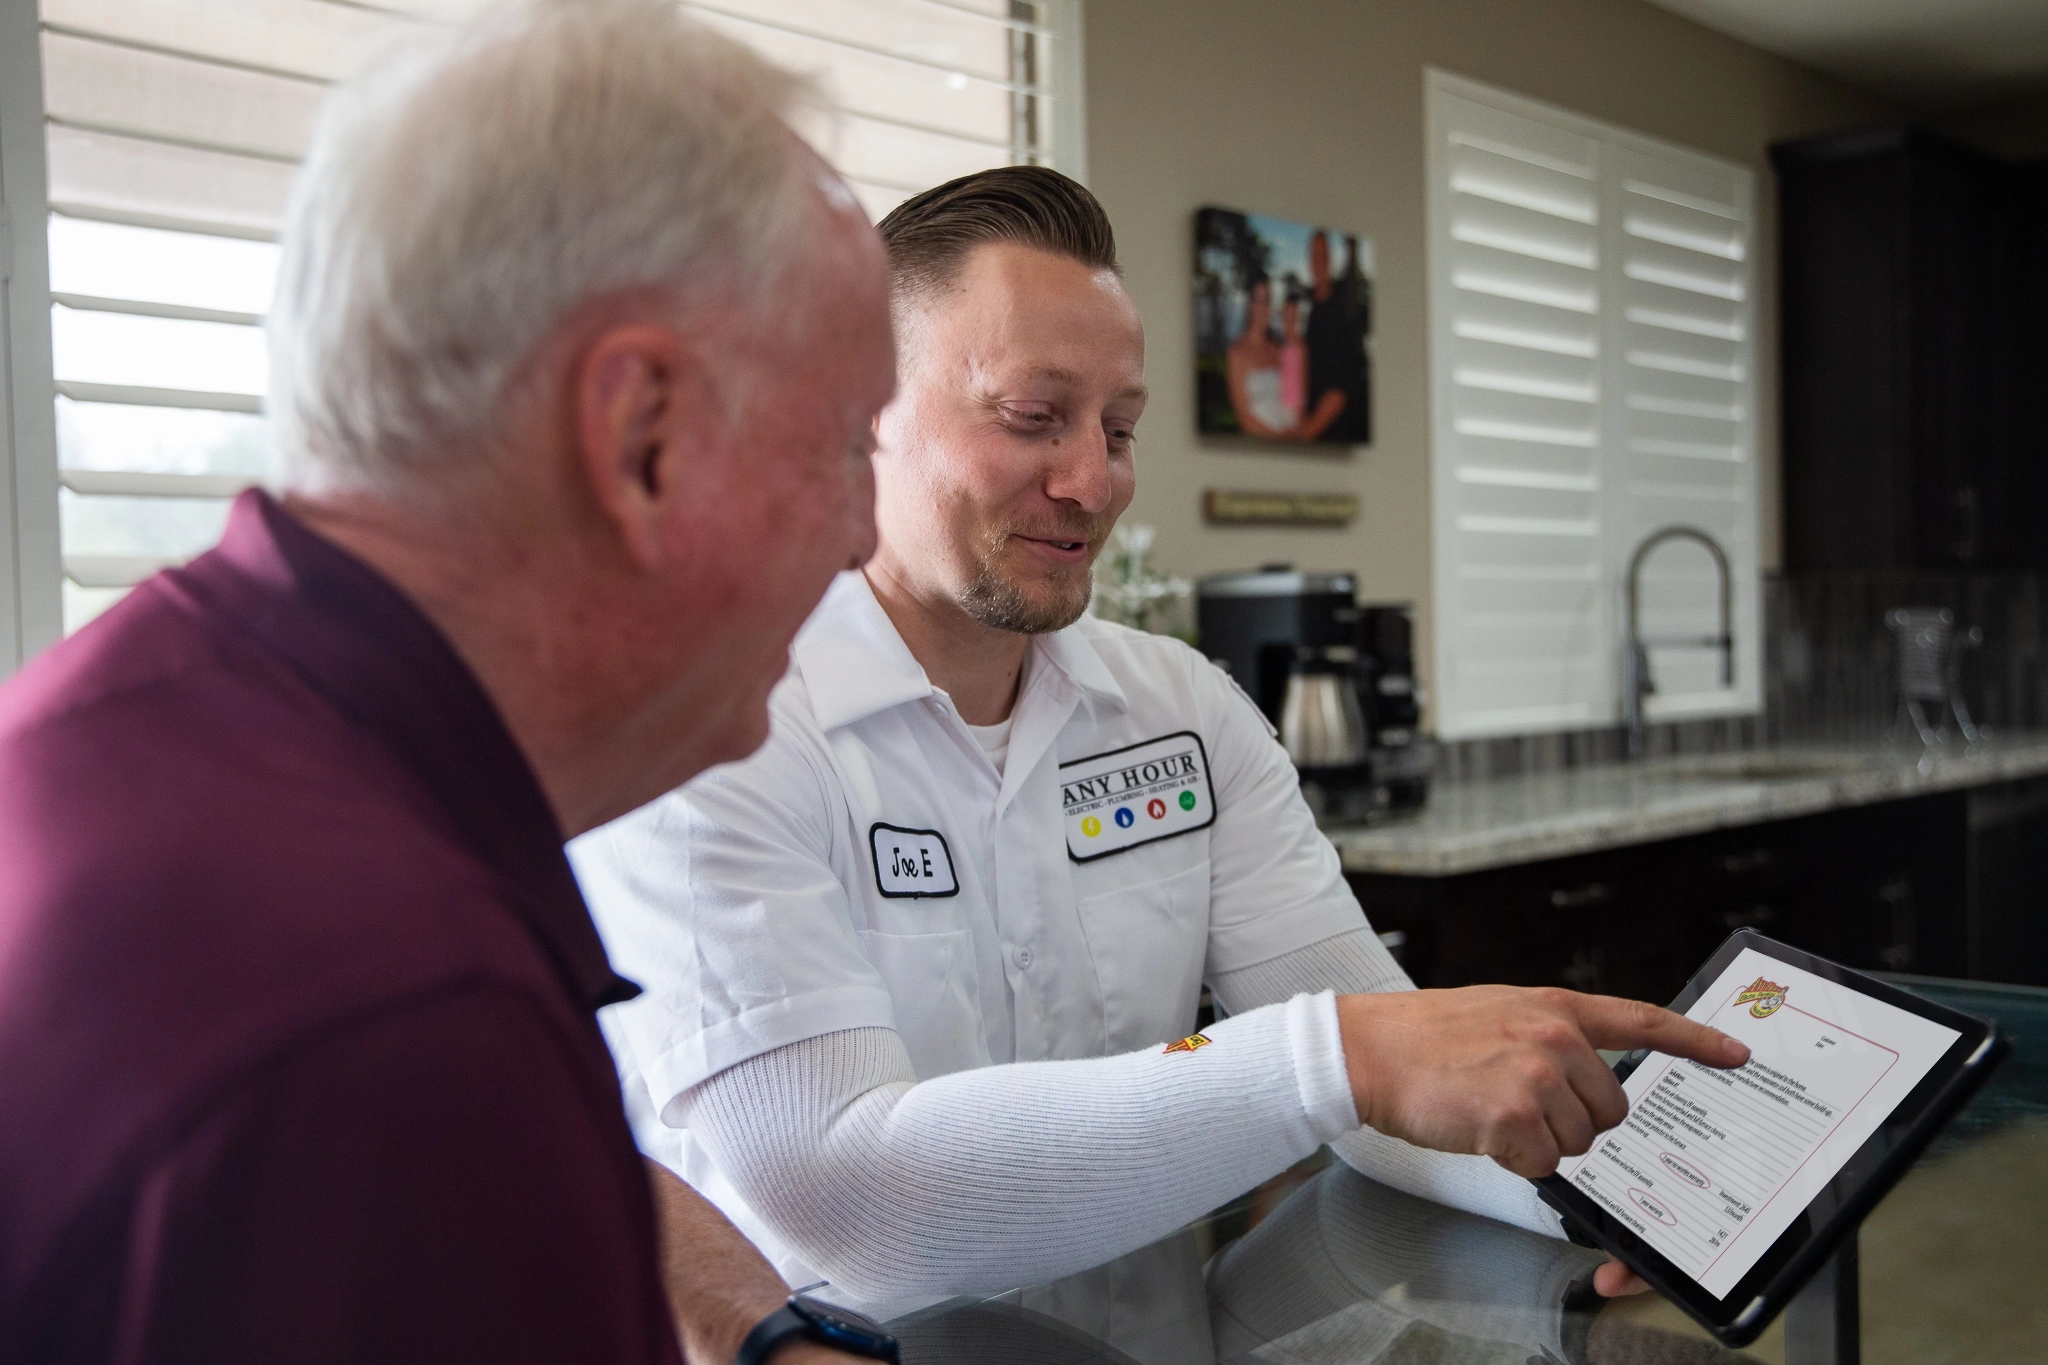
[[855, 664], [354, 638]]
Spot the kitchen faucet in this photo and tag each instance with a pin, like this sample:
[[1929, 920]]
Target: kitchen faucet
[[1636, 682]]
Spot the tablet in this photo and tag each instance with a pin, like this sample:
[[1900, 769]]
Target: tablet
[[1727, 1190]]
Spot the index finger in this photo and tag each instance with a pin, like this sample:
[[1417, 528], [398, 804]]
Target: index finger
[[1625, 1025]]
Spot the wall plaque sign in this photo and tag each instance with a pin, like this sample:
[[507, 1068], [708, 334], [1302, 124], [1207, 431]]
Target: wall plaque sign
[[1231, 507]]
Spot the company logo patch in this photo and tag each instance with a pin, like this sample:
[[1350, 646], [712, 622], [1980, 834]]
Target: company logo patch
[[1767, 995], [912, 862], [1138, 794], [1190, 1043]]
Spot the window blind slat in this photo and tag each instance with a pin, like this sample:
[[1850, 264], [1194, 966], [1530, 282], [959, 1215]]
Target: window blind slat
[[306, 37], [160, 353], [872, 83], [128, 180], [81, 391], [975, 45], [115, 571], [124, 483], [909, 158], [148, 268], [90, 303], [113, 89]]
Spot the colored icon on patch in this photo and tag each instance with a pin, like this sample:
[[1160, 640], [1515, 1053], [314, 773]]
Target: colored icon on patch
[[1187, 800], [1125, 818], [1090, 826], [1156, 809], [1189, 1043]]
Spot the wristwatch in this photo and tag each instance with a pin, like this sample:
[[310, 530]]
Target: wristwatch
[[809, 1319]]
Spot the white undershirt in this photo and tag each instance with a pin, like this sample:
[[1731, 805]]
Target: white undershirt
[[994, 739]]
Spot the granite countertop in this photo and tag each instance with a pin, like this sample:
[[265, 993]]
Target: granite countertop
[[1471, 826]]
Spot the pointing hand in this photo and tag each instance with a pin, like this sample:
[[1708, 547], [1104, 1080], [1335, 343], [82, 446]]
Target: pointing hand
[[1505, 1071]]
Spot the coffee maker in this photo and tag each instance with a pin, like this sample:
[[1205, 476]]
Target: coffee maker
[[1336, 679]]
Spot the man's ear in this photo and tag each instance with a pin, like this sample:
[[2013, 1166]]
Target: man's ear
[[639, 402]]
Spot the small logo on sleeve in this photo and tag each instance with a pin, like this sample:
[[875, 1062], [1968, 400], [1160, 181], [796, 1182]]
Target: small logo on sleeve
[[1766, 995], [912, 862], [1136, 795], [1193, 1042]]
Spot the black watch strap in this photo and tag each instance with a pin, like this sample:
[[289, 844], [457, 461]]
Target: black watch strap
[[814, 1320], [769, 1334]]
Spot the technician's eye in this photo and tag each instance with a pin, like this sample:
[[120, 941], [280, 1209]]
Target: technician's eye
[[1031, 419]]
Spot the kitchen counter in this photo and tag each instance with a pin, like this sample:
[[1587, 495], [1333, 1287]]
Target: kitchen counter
[[1500, 822]]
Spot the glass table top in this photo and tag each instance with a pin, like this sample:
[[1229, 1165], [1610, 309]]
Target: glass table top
[[1324, 1265]]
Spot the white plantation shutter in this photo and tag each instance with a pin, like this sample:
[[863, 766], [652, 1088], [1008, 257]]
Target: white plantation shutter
[[172, 129], [1591, 330], [1683, 394]]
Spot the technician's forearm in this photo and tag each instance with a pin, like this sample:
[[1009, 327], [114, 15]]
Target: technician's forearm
[[1008, 1175], [1358, 962]]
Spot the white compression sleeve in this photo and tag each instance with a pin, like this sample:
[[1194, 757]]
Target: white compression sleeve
[[1358, 963], [1008, 1175]]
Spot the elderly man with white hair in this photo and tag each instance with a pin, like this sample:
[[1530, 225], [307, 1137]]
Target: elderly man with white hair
[[577, 352]]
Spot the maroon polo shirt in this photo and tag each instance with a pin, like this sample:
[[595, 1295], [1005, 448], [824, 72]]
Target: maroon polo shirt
[[297, 1050]]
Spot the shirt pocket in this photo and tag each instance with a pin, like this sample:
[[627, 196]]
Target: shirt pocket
[[935, 994], [1149, 942]]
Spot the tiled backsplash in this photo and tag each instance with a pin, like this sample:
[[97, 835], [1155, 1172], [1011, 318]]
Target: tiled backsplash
[[1831, 670], [1830, 673]]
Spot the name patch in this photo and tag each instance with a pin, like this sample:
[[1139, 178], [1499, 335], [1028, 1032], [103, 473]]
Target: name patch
[[912, 862], [1136, 795]]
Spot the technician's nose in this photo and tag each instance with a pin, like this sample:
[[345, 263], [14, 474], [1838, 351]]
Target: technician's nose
[[1080, 472]]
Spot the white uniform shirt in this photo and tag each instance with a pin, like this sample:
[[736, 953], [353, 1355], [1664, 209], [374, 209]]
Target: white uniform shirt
[[870, 867]]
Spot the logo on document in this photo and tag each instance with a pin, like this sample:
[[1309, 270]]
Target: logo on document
[[1190, 1043], [1763, 998]]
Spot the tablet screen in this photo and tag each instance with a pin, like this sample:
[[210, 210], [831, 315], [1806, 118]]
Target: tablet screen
[[1710, 1167]]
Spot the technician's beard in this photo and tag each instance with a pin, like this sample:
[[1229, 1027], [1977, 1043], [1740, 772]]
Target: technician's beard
[[997, 602]]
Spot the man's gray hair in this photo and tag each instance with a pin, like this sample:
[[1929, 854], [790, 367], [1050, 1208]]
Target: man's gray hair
[[470, 192]]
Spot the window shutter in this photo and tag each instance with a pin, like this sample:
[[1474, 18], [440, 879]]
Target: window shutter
[[173, 128], [1590, 382], [1516, 300], [1684, 449]]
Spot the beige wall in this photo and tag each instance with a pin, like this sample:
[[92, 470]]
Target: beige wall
[[1313, 110]]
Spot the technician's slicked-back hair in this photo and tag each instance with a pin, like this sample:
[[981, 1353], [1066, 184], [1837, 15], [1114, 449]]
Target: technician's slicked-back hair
[[929, 235], [470, 191]]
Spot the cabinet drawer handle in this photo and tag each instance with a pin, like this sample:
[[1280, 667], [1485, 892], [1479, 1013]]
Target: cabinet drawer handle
[[1579, 897], [1735, 864]]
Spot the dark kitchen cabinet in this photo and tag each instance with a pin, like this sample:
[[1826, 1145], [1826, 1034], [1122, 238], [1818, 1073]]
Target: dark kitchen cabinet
[[1878, 887], [1910, 292], [2008, 897]]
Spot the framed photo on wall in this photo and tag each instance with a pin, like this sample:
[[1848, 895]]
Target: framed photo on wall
[[1283, 330]]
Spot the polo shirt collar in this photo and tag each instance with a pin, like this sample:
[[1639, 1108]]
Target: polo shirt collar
[[354, 638], [855, 664]]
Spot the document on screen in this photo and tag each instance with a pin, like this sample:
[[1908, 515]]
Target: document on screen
[[1710, 1167]]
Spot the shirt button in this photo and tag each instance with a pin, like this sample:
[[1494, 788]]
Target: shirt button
[[1023, 957]]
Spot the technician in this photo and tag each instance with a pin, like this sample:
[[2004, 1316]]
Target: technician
[[921, 976]]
